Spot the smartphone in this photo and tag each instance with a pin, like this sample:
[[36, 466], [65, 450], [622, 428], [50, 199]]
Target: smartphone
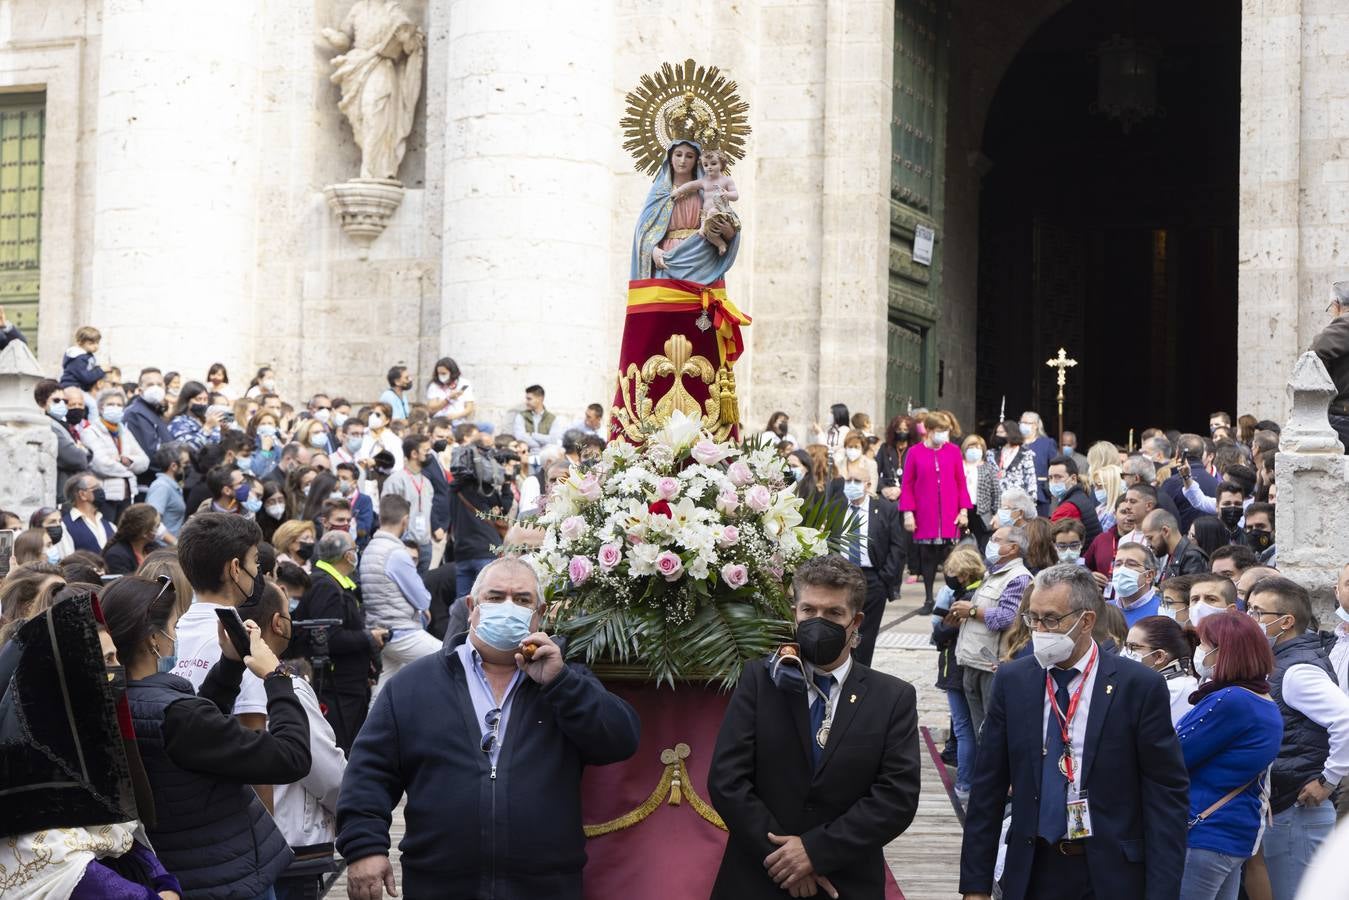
[[6, 551], [234, 628]]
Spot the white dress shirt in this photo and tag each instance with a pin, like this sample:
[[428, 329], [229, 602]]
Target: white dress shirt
[[1077, 729], [840, 675], [1339, 656], [863, 511], [1308, 690]]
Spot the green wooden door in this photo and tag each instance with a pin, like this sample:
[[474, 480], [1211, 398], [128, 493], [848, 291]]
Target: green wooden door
[[22, 120], [917, 198]]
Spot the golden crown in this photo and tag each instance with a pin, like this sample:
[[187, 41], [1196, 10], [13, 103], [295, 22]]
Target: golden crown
[[685, 102]]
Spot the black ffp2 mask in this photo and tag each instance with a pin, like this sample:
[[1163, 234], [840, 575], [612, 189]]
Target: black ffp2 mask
[[821, 640]]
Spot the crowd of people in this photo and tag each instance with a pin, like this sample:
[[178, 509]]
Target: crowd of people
[[366, 552]]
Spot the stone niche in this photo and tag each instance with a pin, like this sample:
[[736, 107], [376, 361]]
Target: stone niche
[[1312, 474]]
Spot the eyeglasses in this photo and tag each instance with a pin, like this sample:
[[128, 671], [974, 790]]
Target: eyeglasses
[[1074, 545], [493, 721], [1130, 564], [1140, 649], [1256, 612], [1051, 622]]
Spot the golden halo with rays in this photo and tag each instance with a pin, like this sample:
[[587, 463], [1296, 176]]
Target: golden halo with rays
[[685, 101]]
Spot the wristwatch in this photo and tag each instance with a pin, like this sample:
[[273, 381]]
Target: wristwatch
[[279, 672]]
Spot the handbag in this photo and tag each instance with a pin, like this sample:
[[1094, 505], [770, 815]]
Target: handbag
[[1231, 795], [497, 520]]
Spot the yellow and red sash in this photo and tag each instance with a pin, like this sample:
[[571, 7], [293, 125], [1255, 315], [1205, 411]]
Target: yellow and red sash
[[650, 295]]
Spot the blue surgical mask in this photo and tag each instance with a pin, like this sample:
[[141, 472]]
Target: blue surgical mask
[[1100, 495], [504, 625], [1125, 582], [853, 490], [354, 444], [294, 604], [1027, 430], [53, 554], [1058, 489], [170, 662], [1004, 517], [245, 463], [266, 431], [252, 505], [112, 415], [992, 552], [58, 410]]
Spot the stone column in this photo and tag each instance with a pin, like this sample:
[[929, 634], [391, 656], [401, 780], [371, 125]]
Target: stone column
[[176, 185], [530, 133], [27, 444], [854, 266], [1312, 474], [1269, 264]]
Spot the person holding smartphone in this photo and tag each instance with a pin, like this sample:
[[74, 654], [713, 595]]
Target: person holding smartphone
[[211, 829]]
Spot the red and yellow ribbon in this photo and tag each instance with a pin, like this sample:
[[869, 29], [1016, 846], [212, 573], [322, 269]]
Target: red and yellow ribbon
[[669, 295]]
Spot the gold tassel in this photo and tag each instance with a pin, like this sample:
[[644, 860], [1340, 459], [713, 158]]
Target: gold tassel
[[669, 788], [676, 795], [730, 408]]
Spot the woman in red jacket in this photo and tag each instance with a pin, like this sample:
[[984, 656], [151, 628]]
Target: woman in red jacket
[[934, 498]]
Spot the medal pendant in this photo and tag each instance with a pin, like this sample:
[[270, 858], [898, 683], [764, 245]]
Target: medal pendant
[[703, 321], [822, 736], [1064, 762]]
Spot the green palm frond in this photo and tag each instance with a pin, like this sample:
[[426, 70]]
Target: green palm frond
[[834, 519]]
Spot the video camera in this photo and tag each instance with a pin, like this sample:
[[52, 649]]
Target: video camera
[[312, 640]]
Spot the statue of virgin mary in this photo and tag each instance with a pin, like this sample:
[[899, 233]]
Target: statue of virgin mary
[[681, 336]]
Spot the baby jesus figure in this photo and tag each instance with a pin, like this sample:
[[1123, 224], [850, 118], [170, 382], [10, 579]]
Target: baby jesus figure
[[718, 193]]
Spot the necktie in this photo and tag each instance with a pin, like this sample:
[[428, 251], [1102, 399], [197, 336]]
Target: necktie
[[818, 708], [855, 547], [1053, 783]]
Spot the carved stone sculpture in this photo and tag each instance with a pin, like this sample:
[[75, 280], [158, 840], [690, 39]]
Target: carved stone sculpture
[[379, 70]]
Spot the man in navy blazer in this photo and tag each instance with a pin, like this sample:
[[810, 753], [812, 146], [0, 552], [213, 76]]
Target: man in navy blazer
[[1115, 829]]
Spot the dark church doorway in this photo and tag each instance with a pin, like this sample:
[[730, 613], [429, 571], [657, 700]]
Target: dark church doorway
[[1114, 239]]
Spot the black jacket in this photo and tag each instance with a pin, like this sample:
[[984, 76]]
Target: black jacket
[[212, 832], [863, 796], [517, 835], [440, 493], [150, 431], [1332, 346], [1132, 770], [350, 646], [474, 538], [1187, 560], [121, 559]]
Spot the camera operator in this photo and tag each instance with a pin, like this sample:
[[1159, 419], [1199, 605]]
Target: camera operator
[[332, 594], [479, 486]]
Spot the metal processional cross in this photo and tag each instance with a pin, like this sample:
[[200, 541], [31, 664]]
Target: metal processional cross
[[1061, 362]]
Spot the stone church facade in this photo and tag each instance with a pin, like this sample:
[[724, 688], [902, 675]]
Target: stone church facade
[[164, 164]]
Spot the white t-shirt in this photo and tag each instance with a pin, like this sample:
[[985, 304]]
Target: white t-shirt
[[199, 650], [438, 391]]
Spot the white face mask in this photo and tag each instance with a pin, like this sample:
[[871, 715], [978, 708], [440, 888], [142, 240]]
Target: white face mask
[[1052, 647], [1342, 613], [154, 394], [973, 455], [1203, 663], [940, 437], [376, 420], [1201, 611], [443, 379], [276, 510], [853, 454]]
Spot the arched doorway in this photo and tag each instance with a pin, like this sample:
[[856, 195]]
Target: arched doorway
[[1118, 243]]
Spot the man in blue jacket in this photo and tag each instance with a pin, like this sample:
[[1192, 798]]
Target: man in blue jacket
[[493, 774], [1083, 738]]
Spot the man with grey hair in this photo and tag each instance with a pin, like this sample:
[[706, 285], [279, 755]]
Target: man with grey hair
[[343, 682], [1084, 741], [488, 740], [1332, 346], [1015, 508], [984, 617]]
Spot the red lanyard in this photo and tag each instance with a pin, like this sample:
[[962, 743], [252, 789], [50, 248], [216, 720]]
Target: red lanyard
[[1065, 722], [416, 486]]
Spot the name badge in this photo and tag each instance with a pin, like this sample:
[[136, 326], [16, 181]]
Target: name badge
[[1079, 817]]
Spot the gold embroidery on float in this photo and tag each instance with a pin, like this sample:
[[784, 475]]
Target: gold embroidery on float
[[639, 415]]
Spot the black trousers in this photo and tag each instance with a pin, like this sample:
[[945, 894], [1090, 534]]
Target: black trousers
[[930, 557], [345, 709], [872, 611], [1054, 876]]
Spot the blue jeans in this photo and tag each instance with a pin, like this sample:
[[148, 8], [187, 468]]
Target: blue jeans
[[963, 726], [1292, 841], [466, 572], [1210, 875]]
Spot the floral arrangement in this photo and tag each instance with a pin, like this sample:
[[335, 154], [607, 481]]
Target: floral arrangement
[[674, 559]]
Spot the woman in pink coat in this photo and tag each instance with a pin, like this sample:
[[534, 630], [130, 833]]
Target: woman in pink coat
[[933, 498]]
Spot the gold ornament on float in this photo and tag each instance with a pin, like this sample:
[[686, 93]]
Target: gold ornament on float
[[685, 102]]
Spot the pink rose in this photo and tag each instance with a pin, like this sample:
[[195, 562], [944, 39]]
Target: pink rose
[[589, 488], [667, 488], [739, 473], [729, 535], [728, 502], [735, 575], [579, 570], [572, 528], [708, 452], [669, 565], [610, 556], [758, 498]]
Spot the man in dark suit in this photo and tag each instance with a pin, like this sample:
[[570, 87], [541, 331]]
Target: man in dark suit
[[436, 473], [1191, 460], [1101, 814], [879, 552], [812, 785]]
